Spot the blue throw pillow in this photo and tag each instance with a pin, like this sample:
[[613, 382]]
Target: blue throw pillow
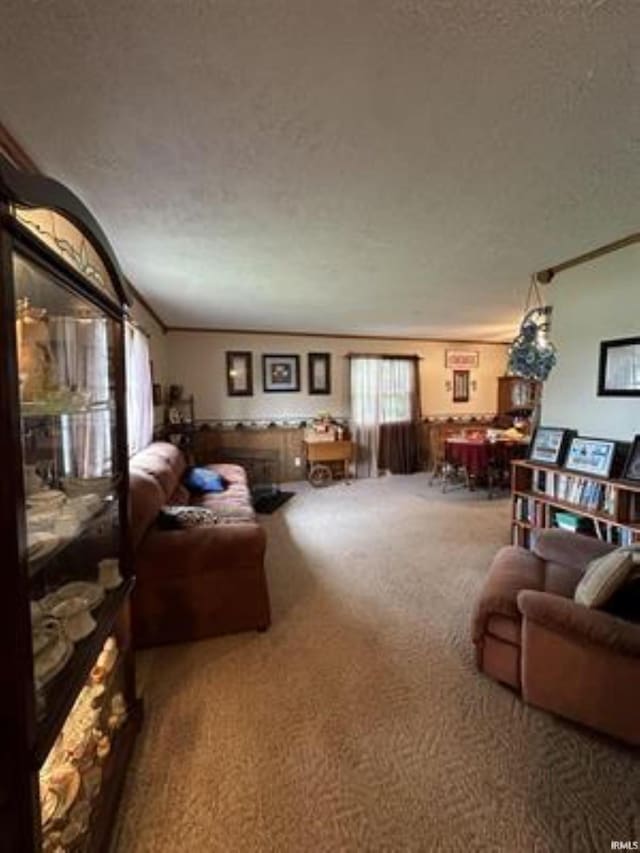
[[204, 480]]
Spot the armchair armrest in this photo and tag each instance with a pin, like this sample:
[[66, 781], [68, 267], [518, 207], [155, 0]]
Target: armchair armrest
[[569, 549], [581, 663], [582, 624]]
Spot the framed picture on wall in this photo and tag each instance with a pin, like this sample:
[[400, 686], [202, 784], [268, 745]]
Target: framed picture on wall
[[460, 386], [280, 373], [619, 368], [591, 456], [549, 445], [461, 359], [239, 374], [319, 373]]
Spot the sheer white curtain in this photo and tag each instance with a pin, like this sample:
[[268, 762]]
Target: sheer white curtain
[[139, 389], [382, 392], [365, 412], [81, 358]]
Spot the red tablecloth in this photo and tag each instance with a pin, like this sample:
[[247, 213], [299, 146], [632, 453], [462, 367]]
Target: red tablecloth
[[477, 454]]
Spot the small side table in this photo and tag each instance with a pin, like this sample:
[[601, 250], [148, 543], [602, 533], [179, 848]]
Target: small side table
[[319, 456]]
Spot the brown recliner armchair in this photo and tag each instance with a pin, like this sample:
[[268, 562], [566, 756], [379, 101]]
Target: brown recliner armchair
[[529, 633]]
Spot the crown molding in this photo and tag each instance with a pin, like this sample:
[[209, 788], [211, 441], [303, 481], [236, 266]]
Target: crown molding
[[152, 313], [334, 335], [15, 152]]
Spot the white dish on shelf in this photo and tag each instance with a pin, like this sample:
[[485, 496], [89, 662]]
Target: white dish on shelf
[[46, 499], [52, 660], [67, 524], [76, 618], [41, 543], [92, 593], [85, 506], [41, 520], [45, 632], [79, 486], [109, 575]]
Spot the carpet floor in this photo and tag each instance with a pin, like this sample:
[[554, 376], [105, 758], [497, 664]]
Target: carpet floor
[[358, 721]]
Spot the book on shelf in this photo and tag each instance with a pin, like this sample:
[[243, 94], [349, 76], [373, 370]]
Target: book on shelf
[[530, 511], [575, 489]]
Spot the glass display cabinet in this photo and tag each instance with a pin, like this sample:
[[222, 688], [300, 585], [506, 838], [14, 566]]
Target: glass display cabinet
[[68, 712]]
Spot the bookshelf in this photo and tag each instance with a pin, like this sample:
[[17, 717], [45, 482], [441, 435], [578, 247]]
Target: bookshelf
[[543, 496]]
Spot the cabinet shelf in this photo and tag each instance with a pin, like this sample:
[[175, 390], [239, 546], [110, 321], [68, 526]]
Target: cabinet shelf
[[63, 690], [29, 411], [37, 564]]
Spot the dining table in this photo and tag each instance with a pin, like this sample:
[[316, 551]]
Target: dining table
[[484, 459]]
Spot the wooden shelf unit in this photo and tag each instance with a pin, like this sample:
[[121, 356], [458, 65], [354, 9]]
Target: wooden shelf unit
[[608, 509]]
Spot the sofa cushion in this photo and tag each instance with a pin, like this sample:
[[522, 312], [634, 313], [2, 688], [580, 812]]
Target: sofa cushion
[[232, 505], [569, 549], [163, 461], [153, 477], [183, 517], [605, 575], [204, 480]]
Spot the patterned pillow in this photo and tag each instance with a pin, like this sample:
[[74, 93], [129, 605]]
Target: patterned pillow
[[184, 517], [606, 575]]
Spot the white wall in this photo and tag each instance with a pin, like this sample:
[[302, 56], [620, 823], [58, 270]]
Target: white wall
[[197, 361], [591, 303]]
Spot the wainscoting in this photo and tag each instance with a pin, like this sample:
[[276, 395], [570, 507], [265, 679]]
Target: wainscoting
[[272, 452]]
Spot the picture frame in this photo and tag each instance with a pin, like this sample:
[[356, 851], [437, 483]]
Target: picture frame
[[460, 386], [280, 373], [631, 469], [239, 369], [619, 368], [594, 456], [549, 445], [319, 372], [461, 359]]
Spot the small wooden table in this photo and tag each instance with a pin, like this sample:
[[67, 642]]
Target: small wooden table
[[319, 456]]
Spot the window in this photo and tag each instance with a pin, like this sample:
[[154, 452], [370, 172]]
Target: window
[[382, 390]]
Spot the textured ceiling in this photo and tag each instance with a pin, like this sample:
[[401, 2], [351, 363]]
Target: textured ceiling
[[380, 166]]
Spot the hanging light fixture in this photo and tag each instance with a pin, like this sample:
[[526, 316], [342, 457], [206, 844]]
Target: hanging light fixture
[[532, 355]]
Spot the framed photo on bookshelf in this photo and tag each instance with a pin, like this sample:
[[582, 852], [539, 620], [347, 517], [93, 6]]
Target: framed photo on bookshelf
[[632, 465], [591, 456], [549, 445]]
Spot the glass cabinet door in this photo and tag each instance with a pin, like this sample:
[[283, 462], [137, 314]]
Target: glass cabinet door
[[66, 371]]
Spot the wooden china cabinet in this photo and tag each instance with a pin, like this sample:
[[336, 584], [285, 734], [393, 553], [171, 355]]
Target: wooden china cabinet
[[516, 394], [68, 707]]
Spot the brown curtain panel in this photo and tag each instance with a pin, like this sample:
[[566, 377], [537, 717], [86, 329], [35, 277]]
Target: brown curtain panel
[[399, 447]]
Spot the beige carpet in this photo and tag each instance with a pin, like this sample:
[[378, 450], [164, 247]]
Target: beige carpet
[[358, 722]]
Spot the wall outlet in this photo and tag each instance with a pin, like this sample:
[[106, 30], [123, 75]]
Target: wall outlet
[[297, 461]]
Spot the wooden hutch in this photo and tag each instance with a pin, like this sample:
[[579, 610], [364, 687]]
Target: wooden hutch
[[69, 712]]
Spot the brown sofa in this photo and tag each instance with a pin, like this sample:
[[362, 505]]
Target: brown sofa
[[201, 581], [529, 633]]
